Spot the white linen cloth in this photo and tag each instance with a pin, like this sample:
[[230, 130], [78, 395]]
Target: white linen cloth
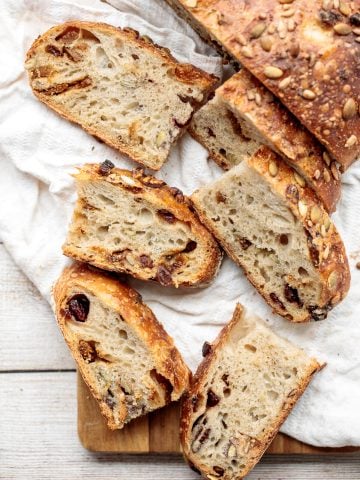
[[38, 150]]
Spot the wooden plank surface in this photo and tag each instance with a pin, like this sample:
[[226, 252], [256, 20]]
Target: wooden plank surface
[[38, 429], [159, 432]]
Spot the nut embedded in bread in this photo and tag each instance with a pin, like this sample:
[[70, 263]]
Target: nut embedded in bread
[[134, 223], [120, 87], [280, 234], [305, 52], [123, 353], [242, 392], [244, 114]]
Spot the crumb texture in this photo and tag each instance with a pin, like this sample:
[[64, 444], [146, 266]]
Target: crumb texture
[[243, 391], [122, 224], [118, 86]]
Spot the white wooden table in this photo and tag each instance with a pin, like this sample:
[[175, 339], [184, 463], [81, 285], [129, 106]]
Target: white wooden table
[[38, 434]]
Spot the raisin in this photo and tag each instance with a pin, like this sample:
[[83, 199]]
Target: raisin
[[204, 436], [166, 215], [220, 198], [165, 384], [53, 50], [68, 35], [134, 56], [79, 307], [329, 17], [146, 261], [190, 246], [210, 132], [106, 167], [164, 276], [292, 295], [225, 378], [292, 193], [206, 349], [276, 300], [212, 399], [109, 399], [88, 351], [355, 19], [177, 194], [283, 239], [220, 471], [244, 243]]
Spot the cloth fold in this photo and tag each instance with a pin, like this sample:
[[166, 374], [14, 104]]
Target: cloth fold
[[38, 151]]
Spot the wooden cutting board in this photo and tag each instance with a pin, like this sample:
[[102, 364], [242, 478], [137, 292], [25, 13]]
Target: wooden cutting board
[[158, 432]]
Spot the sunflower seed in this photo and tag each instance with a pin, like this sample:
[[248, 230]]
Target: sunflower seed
[[327, 249], [266, 43], [284, 83], [273, 168], [317, 174], [332, 280], [273, 72], [258, 30], [308, 94], [327, 158], [342, 28], [299, 179], [315, 214], [351, 141], [349, 109], [326, 175], [247, 52], [344, 8], [334, 171], [302, 208]]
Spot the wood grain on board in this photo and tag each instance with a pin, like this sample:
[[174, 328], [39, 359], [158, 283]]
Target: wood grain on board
[[157, 432]]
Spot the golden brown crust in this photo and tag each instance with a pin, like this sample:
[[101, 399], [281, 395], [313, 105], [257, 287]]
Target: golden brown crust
[[285, 135], [314, 48], [326, 249], [128, 304], [185, 73], [163, 197], [196, 387]]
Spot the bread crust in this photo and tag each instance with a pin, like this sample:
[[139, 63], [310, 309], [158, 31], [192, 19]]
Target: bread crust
[[128, 303], [161, 196], [196, 387], [326, 249], [283, 133], [313, 45], [185, 73]]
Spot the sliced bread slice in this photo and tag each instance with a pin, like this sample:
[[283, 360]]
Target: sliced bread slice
[[120, 87], [247, 110], [242, 392], [280, 234], [130, 222], [123, 353]]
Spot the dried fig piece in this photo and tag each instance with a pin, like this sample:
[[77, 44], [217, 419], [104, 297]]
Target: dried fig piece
[[276, 300], [79, 306], [190, 246], [54, 51], [164, 382]]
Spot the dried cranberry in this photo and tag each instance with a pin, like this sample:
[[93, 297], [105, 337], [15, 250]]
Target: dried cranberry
[[212, 399], [166, 215], [79, 307], [206, 349], [105, 167], [164, 276]]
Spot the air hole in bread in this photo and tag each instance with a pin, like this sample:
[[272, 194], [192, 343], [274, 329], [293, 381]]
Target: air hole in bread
[[272, 394], [123, 334], [102, 60], [106, 200]]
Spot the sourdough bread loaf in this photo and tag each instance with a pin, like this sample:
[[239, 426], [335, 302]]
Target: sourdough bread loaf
[[279, 233], [242, 392], [305, 52], [134, 223], [120, 87], [123, 353], [253, 117]]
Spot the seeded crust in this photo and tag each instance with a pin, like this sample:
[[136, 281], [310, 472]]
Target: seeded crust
[[301, 278], [134, 223], [123, 353], [257, 378], [313, 47], [260, 117], [120, 87]]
